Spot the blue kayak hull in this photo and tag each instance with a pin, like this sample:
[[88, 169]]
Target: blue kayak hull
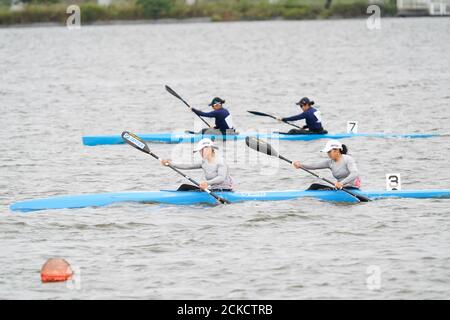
[[190, 138], [190, 198]]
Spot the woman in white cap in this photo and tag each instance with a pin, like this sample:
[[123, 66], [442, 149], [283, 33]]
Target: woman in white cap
[[217, 176], [342, 166]]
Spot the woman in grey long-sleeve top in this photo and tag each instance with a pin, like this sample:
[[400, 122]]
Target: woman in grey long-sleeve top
[[217, 176], [342, 166]]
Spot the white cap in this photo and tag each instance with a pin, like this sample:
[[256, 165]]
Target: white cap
[[205, 142], [332, 144]]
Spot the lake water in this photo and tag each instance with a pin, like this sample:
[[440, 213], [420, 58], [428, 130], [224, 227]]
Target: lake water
[[58, 85]]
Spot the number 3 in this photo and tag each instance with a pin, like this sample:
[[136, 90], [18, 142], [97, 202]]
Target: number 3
[[393, 182]]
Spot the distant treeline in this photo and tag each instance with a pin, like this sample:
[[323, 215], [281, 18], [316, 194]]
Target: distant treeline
[[217, 10]]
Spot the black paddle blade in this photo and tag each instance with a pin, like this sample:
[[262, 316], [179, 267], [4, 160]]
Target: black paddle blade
[[363, 199], [134, 141], [257, 113], [172, 92], [260, 146], [359, 197]]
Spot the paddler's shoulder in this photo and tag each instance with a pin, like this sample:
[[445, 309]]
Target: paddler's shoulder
[[348, 157]]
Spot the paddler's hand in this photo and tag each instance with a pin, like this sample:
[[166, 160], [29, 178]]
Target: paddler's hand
[[297, 164], [279, 118], [165, 162], [339, 185], [203, 185]]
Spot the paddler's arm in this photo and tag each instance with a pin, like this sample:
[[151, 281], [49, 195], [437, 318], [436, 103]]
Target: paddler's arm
[[324, 164], [211, 114], [186, 166], [300, 116], [353, 169], [222, 172]]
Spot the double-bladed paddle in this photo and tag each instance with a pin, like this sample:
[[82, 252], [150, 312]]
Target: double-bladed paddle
[[176, 95], [257, 113], [264, 147], [136, 142]]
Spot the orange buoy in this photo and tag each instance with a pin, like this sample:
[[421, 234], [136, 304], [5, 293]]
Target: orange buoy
[[56, 270]]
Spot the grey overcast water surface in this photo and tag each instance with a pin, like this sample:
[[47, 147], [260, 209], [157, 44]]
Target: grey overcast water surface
[[58, 85]]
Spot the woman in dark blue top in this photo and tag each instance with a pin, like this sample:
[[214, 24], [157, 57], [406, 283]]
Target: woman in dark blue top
[[312, 117], [224, 121]]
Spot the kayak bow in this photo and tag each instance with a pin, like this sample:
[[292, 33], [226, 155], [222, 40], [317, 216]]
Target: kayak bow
[[190, 198]]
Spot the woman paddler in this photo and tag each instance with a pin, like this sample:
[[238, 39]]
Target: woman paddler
[[312, 117], [217, 176], [223, 119], [342, 166]]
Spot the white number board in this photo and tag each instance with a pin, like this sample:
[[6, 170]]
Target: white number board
[[393, 182], [352, 126]]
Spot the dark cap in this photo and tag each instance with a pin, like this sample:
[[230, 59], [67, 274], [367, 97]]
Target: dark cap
[[304, 101], [216, 100]]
